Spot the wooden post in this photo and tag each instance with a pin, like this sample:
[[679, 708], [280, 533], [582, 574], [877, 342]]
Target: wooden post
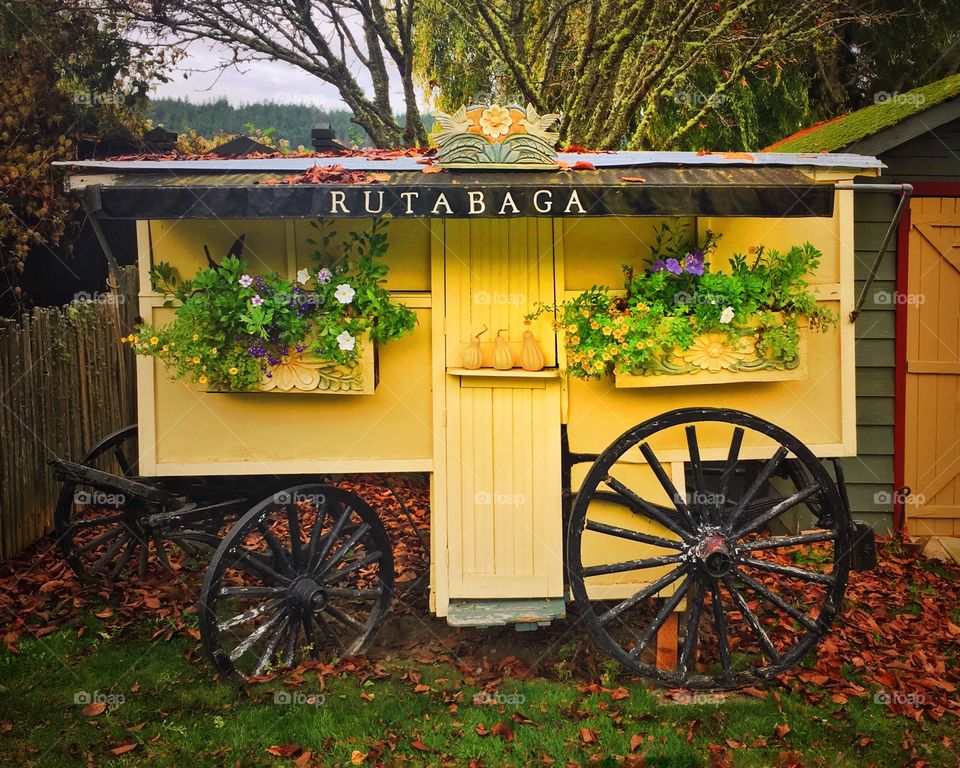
[[668, 643]]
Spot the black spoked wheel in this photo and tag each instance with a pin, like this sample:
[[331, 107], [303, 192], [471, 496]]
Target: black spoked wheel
[[101, 532], [306, 574], [755, 552]]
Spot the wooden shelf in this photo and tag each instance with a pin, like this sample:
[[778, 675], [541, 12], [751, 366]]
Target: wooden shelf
[[511, 373]]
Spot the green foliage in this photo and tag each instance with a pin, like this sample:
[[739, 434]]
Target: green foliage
[[231, 326], [679, 296]]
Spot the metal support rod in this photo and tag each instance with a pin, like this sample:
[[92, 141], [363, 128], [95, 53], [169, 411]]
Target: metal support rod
[[905, 191], [112, 265]]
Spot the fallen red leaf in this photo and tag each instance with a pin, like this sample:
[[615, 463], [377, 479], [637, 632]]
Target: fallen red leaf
[[122, 749]]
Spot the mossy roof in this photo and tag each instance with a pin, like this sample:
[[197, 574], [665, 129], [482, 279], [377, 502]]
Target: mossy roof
[[843, 131]]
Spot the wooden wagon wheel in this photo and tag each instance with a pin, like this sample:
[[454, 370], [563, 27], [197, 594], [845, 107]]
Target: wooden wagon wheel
[[306, 572], [757, 598], [101, 533]]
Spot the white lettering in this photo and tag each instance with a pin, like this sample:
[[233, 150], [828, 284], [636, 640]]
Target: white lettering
[[337, 201], [441, 200], [477, 205], [547, 195], [366, 201], [408, 198], [508, 199], [574, 199]]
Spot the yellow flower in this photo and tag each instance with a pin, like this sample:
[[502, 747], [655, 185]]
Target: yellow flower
[[196, 336], [495, 121], [213, 351], [165, 347], [574, 340], [154, 341], [233, 371], [607, 330], [203, 379], [357, 757], [203, 368], [196, 361], [594, 324]]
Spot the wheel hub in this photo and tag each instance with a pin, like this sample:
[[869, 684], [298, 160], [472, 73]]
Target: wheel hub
[[306, 594], [715, 555]]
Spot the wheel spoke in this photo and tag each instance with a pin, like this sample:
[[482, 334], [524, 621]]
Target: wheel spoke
[[272, 645], [293, 632], [346, 619], [776, 542], [162, 554], [95, 522], [250, 615], [733, 456], [753, 622], [309, 634], [280, 554], [776, 510], [633, 565], [651, 589], [107, 556], [126, 468], [293, 526], [669, 606], [332, 577], [366, 594], [649, 510], [242, 557], [329, 631], [344, 549], [623, 533], [315, 533], [788, 570], [768, 469], [778, 601], [123, 559], [689, 649], [672, 493], [254, 636], [696, 467], [331, 537], [251, 592], [720, 627], [103, 538]]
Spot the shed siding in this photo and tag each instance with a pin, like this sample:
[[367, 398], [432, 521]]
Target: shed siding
[[934, 156]]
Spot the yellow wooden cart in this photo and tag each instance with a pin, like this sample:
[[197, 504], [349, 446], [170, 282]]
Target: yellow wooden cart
[[691, 526]]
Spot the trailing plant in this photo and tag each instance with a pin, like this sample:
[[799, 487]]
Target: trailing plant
[[758, 301], [231, 326]]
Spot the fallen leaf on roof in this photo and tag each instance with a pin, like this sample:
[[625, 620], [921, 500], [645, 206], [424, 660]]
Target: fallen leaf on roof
[[583, 165], [432, 169], [634, 179]]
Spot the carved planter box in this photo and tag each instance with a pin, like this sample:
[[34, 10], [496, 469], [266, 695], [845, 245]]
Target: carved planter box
[[309, 374], [713, 359]]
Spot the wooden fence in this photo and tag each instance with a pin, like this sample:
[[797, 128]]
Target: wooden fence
[[65, 382]]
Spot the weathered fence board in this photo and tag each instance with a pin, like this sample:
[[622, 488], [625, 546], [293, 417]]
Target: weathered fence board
[[65, 382]]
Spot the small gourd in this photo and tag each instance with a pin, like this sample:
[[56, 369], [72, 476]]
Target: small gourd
[[502, 356], [531, 356], [472, 355]]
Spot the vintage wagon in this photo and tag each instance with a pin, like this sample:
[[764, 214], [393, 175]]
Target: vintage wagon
[[683, 512]]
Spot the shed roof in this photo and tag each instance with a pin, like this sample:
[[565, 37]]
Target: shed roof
[[894, 109]]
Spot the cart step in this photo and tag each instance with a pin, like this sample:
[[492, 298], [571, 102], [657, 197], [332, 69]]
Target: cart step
[[68, 471], [527, 613]]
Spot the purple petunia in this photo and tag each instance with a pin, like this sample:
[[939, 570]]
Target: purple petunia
[[693, 265], [256, 301], [245, 280], [658, 266], [673, 266]]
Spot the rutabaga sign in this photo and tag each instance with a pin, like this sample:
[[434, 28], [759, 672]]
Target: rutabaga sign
[[460, 202]]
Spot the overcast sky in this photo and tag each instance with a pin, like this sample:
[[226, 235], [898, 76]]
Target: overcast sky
[[255, 81]]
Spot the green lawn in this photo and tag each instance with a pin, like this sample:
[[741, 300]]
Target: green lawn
[[404, 713]]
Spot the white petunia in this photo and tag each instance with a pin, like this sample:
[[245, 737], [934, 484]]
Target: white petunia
[[344, 293], [346, 341], [727, 315], [303, 276]]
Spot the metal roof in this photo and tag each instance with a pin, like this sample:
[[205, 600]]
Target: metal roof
[[397, 164]]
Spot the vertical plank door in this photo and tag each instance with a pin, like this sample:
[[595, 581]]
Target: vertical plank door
[[502, 462]]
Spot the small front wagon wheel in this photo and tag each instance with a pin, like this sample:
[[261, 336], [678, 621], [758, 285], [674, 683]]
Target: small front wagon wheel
[[306, 574], [755, 552]]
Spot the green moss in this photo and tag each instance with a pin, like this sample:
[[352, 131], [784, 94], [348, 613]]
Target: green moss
[[843, 131]]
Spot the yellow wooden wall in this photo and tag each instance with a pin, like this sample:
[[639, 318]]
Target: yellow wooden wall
[[192, 432]]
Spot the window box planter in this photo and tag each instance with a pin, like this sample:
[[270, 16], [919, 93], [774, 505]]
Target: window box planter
[[306, 373], [713, 359]]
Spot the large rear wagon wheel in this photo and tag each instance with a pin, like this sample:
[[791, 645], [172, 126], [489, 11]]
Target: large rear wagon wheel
[[756, 552], [306, 574]]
